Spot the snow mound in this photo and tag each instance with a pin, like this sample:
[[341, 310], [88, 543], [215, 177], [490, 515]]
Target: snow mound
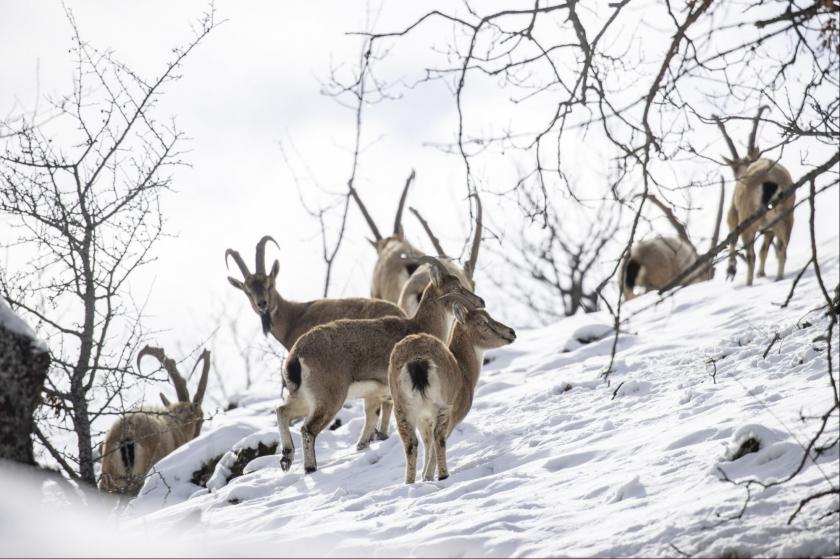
[[13, 323]]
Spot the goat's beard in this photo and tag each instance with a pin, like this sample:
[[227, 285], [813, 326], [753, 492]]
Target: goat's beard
[[265, 319]]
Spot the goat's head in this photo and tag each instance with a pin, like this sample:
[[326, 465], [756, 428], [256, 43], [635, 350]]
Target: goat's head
[[483, 329], [737, 163], [259, 286], [446, 287], [184, 410]]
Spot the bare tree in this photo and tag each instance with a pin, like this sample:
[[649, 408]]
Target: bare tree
[[84, 193]]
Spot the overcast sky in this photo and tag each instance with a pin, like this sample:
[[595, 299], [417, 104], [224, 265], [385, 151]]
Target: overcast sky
[[255, 82]]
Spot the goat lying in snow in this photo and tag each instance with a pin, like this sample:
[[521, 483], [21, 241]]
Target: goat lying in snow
[[349, 359], [139, 439], [432, 385]]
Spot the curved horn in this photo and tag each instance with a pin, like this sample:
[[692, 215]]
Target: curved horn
[[398, 217], [435, 240], [260, 264], [469, 267], [202, 381], [432, 261], [168, 364], [751, 143], [726, 137], [376, 235], [239, 262]]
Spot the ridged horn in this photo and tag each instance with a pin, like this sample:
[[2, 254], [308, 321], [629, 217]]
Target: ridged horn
[[202, 381], [168, 364], [239, 262], [260, 257], [398, 217]]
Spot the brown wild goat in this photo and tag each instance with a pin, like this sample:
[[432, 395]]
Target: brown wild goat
[[654, 263], [289, 320], [758, 184], [396, 257], [139, 439], [413, 288], [349, 359], [432, 385]]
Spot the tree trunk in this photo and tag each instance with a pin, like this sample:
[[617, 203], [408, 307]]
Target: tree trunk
[[23, 367]]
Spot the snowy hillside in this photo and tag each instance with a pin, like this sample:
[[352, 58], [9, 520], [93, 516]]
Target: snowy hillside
[[550, 460]]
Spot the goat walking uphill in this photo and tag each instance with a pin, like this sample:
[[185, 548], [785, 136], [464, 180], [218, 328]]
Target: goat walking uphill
[[413, 288], [396, 257], [433, 385], [758, 184], [139, 439], [654, 263], [349, 359]]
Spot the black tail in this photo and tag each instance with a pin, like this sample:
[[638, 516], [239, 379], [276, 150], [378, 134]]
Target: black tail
[[768, 190], [419, 372], [127, 454], [631, 271], [293, 374]]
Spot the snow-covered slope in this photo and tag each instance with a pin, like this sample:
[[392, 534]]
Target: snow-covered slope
[[551, 460]]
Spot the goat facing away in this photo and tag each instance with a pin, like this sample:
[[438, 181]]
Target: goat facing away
[[654, 263], [139, 439], [432, 385], [759, 182], [395, 256], [349, 359], [289, 320], [417, 282]]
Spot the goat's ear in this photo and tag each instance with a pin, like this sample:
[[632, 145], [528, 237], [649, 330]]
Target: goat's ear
[[236, 283], [460, 312], [754, 153], [165, 400], [275, 269]]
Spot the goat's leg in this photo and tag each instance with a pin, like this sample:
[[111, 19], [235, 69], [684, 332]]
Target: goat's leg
[[732, 222], [762, 254], [749, 246], [293, 408], [782, 241], [386, 408], [427, 432], [371, 405], [320, 418], [410, 443], [440, 434]]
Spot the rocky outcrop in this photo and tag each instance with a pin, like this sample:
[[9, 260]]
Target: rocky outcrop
[[24, 361]]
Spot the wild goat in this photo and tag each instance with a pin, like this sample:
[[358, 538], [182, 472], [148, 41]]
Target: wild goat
[[654, 263], [288, 320], [349, 359], [413, 288], [758, 184], [142, 437], [432, 385], [396, 257]]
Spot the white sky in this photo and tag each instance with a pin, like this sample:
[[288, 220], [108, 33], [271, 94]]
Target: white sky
[[253, 83]]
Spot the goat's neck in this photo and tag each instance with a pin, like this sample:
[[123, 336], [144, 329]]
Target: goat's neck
[[284, 317], [432, 316], [467, 353]]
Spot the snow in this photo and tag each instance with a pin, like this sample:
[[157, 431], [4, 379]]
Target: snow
[[13, 323], [552, 461]]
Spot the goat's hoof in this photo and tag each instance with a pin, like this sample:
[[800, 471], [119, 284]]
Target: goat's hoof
[[760, 274], [378, 435], [443, 477], [310, 469], [285, 464], [362, 445]]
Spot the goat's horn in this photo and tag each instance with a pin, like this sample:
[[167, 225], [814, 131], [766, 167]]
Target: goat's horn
[[726, 137], [469, 268], [432, 237], [202, 381], [398, 217], [261, 252], [239, 262], [355, 195], [716, 234], [751, 143], [168, 364]]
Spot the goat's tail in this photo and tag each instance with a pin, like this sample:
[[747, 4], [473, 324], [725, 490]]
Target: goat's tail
[[631, 273], [418, 372]]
